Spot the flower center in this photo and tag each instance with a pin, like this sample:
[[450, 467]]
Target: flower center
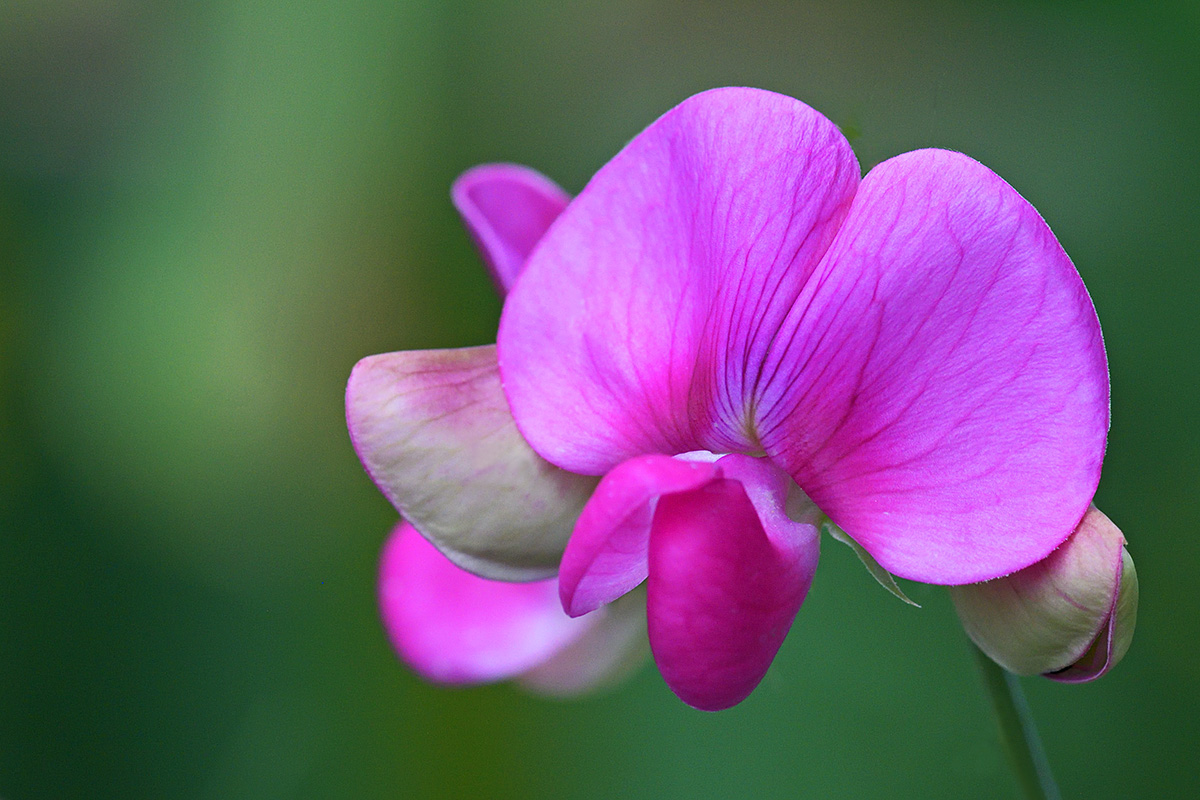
[[798, 506]]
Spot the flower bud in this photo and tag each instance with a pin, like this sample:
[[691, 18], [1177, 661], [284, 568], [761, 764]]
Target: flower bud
[[1069, 617]]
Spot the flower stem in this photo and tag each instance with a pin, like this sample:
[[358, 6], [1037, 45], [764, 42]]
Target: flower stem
[[1018, 733]]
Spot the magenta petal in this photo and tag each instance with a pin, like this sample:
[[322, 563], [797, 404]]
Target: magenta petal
[[606, 555], [506, 209], [642, 318], [453, 627], [724, 588], [941, 390]]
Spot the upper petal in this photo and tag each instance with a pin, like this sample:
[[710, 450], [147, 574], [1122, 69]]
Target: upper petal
[[454, 627], [642, 318], [434, 432], [728, 573], [940, 389], [506, 208]]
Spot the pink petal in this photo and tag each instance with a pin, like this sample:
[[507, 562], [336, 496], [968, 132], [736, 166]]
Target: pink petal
[[644, 315], [606, 556], [725, 583], [940, 389], [506, 209], [453, 627], [612, 648], [434, 432]]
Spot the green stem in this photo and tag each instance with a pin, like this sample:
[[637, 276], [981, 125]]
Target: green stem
[[1018, 733]]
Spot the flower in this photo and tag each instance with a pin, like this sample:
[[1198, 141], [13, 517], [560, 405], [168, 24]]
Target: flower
[[914, 351], [448, 624], [740, 336], [1069, 617]]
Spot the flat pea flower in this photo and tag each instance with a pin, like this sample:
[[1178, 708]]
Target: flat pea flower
[[738, 337]]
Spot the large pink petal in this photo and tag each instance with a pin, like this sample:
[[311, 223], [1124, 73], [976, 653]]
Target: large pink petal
[[434, 432], [506, 209], [454, 627], [607, 553], [940, 389], [643, 317], [726, 580]]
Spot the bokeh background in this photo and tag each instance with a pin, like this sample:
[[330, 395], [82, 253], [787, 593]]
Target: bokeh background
[[210, 210]]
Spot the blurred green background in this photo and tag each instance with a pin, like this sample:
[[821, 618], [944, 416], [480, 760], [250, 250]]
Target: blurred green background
[[210, 210]]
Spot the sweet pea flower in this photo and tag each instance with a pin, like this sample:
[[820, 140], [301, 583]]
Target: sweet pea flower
[[913, 351], [448, 624], [1069, 617], [742, 337]]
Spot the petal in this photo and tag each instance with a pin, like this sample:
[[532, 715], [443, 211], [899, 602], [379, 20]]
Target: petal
[[1045, 617], [642, 318], [725, 583], [1114, 638], [453, 627], [940, 389], [434, 432], [612, 648], [606, 556], [506, 209]]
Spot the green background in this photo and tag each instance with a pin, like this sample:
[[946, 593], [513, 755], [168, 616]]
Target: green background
[[209, 211]]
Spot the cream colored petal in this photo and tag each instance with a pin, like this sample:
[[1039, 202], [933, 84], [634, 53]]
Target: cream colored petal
[[1047, 616], [435, 433]]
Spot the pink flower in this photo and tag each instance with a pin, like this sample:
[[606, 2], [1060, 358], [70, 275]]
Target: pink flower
[[741, 336], [448, 624]]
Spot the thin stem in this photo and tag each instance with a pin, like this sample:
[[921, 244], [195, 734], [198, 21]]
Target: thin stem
[[1018, 733]]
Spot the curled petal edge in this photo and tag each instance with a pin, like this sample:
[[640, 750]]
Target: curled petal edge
[[1114, 639], [608, 551]]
